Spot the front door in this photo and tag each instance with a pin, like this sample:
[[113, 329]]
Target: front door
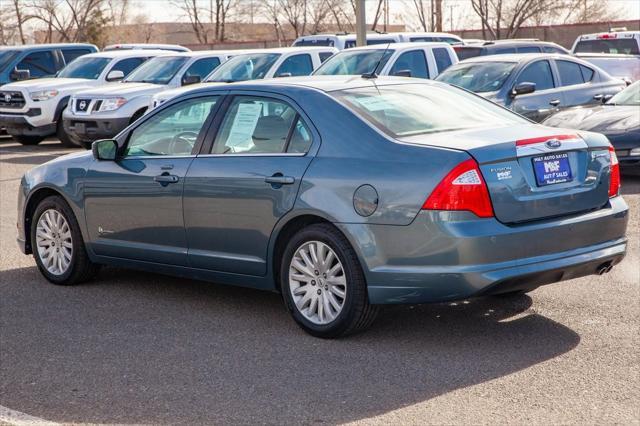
[[133, 206], [235, 194], [546, 100]]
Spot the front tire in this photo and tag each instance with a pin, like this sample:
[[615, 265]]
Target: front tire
[[323, 284], [63, 136], [27, 140], [57, 244]]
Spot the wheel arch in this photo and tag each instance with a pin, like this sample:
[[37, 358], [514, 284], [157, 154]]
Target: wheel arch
[[64, 102], [31, 204], [139, 113]]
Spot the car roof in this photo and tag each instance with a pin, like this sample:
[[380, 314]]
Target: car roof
[[401, 46], [518, 57], [47, 46], [128, 53], [425, 33], [503, 43]]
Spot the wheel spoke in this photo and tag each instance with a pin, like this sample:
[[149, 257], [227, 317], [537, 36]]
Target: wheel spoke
[[337, 291], [297, 264], [54, 242], [334, 302]]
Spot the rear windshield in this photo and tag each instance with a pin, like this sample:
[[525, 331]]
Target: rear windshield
[[357, 62], [629, 96], [467, 52], [244, 67], [626, 46], [352, 43], [314, 42], [158, 70], [89, 68], [413, 109], [479, 77]]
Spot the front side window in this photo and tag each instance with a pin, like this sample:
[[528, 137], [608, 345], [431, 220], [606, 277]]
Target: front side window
[[412, 109], [159, 70], [172, 131], [413, 61], [202, 67], [244, 67], [258, 125], [478, 77], [128, 65], [539, 73], [570, 73], [443, 61], [295, 65], [39, 64], [89, 68], [355, 62], [72, 54]]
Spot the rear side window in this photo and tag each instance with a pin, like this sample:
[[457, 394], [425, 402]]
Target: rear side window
[[71, 54], [39, 64], [324, 56], [300, 141], [127, 65], [413, 61], [202, 67], [570, 73], [539, 73], [528, 49], [627, 46], [587, 73], [295, 65], [443, 61]]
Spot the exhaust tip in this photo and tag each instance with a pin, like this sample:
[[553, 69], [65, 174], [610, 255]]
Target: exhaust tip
[[604, 268]]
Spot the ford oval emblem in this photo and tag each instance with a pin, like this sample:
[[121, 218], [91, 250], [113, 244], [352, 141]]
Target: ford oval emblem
[[553, 143]]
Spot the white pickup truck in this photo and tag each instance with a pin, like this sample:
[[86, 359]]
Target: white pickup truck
[[31, 110], [103, 112], [616, 52]]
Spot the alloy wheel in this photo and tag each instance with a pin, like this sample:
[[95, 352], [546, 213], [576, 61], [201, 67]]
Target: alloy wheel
[[54, 242]]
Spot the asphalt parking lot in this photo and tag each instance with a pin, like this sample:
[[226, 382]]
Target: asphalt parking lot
[[134, 347]]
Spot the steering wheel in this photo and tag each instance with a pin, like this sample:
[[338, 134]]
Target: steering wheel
[[184, 138]]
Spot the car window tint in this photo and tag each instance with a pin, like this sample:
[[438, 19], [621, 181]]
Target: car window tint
[[127, 65], [300, 141], [528, 49], [627, 46], [570, 73], [539, 73], [71, 54], [202, 67], [255, 125], [413, 61], [325, 55], [552, 49], [171, 131], [587, 73], [39, 64], [295, 65], [504, 50], [423, 39], [443, 61]]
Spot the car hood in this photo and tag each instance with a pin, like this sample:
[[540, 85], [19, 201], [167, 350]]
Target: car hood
[[47, 84], [605, 119], [171, 93], [127, 90]]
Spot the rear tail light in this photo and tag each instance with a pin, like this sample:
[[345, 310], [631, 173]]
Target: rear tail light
[[462, 189], [614, 177]]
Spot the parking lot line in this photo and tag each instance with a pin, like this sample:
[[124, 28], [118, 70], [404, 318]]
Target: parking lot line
[[17, 418]]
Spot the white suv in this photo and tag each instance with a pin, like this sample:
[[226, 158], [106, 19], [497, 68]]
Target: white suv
[[421, 60], [31, 110], [261, 64], [103, 112]]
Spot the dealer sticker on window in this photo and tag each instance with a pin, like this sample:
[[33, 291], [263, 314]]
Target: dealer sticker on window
[[551, 169]]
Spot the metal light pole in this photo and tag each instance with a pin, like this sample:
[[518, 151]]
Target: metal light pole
[[361, 23]]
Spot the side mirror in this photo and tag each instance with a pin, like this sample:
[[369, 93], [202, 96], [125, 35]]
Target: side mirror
[[18, 75], [606, 98], [284, 74], [190, 79], [402, 73], [105, 150], [523, 89], [115, 75]]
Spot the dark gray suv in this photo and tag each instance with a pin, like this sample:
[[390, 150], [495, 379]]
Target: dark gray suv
[[534, 85]]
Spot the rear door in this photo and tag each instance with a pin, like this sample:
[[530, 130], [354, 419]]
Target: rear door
[[576, 84], [546, 99], [237, 191]]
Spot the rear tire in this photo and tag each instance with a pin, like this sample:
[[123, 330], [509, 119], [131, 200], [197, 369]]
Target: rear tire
[[57, 244], [27, 140], [63, 136], [323, 284]]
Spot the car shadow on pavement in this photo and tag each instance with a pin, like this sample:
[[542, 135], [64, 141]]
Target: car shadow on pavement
[[630, 181], [134, 347]]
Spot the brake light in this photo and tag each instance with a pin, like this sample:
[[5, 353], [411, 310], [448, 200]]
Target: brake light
[[463, 188], [531, 141], [614, 176], [607, 36]]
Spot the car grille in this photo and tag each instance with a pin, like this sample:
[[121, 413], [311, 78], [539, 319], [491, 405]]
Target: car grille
[[10, 99], [82, 105]]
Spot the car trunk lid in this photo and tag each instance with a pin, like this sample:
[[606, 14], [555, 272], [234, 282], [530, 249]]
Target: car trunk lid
[[534, 172]]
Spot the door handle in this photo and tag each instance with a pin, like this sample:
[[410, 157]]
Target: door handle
[[279, 179], [554, 102], [598, 97], [166, 178]]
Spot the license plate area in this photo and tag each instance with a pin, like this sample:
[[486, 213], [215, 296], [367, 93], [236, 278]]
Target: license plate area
[[552, 169]]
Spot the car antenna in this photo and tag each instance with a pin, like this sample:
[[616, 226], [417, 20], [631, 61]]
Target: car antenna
[[374, 74]]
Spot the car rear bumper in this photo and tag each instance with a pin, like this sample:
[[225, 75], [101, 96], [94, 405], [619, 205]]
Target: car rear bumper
[[446, 256], [19, 125], [84, 131]]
